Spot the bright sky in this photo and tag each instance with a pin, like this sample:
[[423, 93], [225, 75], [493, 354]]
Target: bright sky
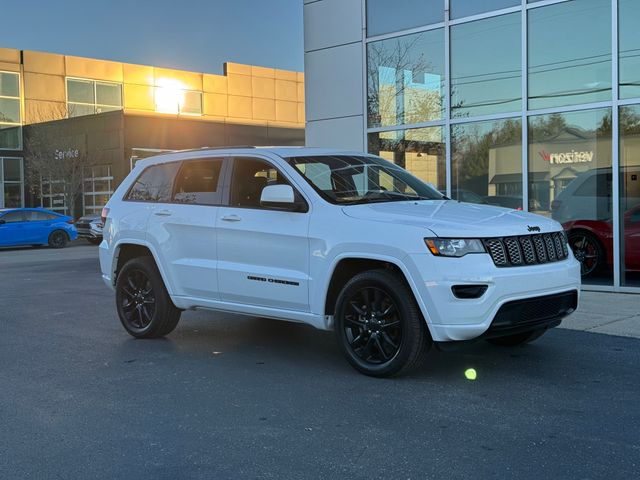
[[197, 35]]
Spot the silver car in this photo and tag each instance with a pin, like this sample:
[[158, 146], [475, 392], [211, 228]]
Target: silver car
[[90, 227]]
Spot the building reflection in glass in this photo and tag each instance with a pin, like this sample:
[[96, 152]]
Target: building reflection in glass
[[419, 150], [486, 162], [570, 180]]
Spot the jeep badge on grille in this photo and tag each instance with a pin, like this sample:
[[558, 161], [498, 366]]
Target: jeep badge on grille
[[533, 228]]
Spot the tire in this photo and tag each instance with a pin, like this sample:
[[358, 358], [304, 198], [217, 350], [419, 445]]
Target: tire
[[379, 326], [58, 239], [142, 301], [588, 251], [517, 339], [94, 241]]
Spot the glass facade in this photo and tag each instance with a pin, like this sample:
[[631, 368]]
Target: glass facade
[[10, 111], [88, 97], [405, 79], [515, 103], [11, 177], [486, 66]]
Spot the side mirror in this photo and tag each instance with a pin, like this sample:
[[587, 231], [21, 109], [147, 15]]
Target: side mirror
[[2, 222], [280, 197]]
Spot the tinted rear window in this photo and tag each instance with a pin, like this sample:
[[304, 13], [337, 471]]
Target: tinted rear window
[[155, 183]]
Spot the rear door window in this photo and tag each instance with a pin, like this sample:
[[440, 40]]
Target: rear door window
[[14, 217], [198, 182], [155, 183]]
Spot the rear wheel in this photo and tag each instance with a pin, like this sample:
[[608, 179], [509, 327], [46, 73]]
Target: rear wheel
[[588, 251], [379, 326], [144, 306], [517, 339], [58, 239]]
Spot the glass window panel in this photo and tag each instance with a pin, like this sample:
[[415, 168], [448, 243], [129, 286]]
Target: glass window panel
[[486, 163], [465, 8], [192, 103], [109, 94], [106, 108], [420, 150], [10, 110], [405, 79], [79, 110], [80, 91], [12, 195], [570, 181], [629, 40], [12, 170], [570, 53], [630, 194], [197, 182], [155, 183], [10, 137], [384, 16], [486, 66], [9, 84]]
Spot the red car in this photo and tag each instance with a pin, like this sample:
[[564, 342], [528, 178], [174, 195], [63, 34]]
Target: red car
[[592, 242]]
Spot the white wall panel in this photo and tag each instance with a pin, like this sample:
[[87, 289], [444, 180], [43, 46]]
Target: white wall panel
[[346, 133], [328, 23], [333, 82]]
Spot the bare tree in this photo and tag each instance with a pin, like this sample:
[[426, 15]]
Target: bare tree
[[54, 160]]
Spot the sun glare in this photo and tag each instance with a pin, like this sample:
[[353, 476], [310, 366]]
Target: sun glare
[[169, 95]]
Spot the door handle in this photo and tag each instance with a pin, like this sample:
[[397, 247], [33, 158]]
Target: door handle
[[162, 213], [231, 218]]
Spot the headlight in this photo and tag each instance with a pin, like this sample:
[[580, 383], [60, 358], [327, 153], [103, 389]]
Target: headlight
[[451, 247]]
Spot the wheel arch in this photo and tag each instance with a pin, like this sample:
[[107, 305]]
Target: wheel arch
[[347, 265], [125, 250]]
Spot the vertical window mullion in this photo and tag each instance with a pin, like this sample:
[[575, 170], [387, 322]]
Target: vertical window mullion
[[525, 107], [618, 232]]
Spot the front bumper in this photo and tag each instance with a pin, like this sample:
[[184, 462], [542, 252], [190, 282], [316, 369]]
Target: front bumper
[[454, 319], [88, 231]]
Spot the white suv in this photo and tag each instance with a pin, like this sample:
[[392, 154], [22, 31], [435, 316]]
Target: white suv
[[338, 240]]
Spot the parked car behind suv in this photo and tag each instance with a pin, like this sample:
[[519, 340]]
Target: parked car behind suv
[[338, 240], [90, 228], [35, 226]]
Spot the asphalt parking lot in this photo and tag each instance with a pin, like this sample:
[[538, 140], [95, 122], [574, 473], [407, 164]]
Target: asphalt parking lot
[[236, 397]]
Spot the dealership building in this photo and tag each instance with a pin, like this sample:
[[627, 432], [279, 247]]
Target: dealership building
[[105, 115], [531, 104]]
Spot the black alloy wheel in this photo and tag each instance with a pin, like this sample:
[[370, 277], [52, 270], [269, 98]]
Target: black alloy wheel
[[379, 326], [587, 250], [58, 239], [138, 299], [372, 326], [143, 303]]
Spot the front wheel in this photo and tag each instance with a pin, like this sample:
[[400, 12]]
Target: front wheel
[[379, 326], [94, 241], [58, 239], [144, 306], [517, 339]]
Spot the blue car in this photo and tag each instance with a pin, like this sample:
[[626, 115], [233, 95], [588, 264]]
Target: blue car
[[35, 226]]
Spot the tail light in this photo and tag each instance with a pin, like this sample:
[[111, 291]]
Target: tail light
[[104, 214]]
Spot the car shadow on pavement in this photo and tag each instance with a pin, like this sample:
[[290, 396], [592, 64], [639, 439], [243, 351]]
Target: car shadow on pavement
[[252, 343]]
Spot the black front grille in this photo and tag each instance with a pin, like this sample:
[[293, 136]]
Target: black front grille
[[527, 249]]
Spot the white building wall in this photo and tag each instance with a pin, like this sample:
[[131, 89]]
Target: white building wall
[[334, 92]]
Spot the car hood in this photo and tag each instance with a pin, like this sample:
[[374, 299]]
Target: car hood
[[450, 218]]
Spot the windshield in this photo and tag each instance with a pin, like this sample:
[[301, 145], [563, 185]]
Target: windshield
[[349, 180]]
